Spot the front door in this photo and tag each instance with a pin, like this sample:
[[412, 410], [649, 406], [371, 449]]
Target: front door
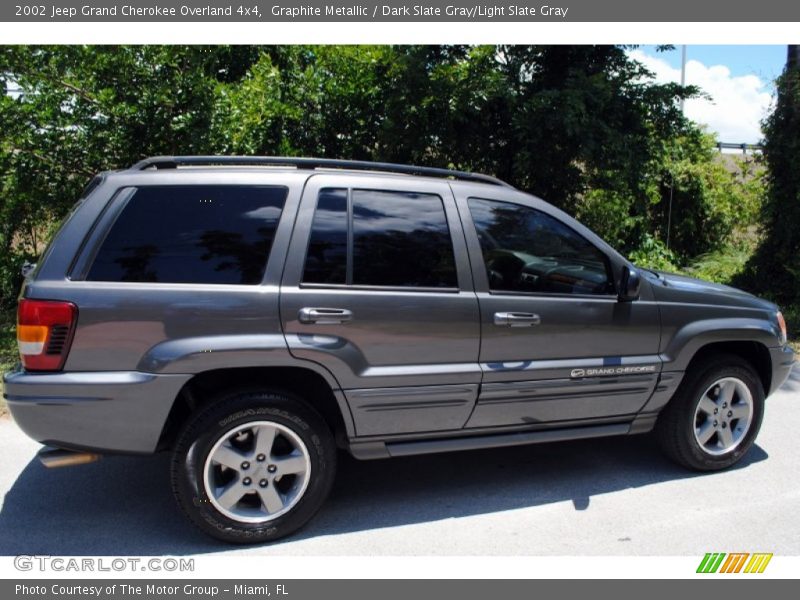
[[557, 345], [377, 289]]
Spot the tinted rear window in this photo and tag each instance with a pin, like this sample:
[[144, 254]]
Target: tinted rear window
[[192, 234], [401, 239]]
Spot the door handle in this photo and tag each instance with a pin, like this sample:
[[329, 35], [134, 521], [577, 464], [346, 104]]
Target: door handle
[[516, 319], [324, 316]]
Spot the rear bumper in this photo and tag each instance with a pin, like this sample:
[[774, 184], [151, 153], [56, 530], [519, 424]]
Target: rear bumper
[[106, 411], [783, 359]]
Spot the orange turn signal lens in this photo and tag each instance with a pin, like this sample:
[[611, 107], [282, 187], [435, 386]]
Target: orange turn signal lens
[[31, 333], [782, 325]]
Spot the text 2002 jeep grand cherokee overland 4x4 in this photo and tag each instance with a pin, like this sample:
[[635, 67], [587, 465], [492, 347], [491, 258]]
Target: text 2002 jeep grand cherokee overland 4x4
[[252, 314]]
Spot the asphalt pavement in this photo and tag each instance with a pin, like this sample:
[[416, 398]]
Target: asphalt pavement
[[615, 496]]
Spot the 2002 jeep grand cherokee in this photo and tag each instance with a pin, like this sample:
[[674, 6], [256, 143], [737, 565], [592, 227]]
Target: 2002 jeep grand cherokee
[[252, 314]]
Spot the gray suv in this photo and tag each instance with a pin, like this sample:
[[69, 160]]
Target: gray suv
[[251, 315]]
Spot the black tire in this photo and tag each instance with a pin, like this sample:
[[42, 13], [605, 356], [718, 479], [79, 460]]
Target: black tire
[[675, 428], [226, 413]]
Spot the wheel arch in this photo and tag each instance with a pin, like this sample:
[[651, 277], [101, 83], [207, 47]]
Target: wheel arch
[[753, 352], [201, 389], [745, 337]]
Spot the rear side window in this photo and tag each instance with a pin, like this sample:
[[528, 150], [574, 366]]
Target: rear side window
[[397, 239], [191, 234]]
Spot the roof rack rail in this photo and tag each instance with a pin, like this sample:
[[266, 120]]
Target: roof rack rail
[[173, 162]]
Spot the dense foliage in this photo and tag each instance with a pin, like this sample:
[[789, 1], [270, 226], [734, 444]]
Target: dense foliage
[[584, 127], [775, 269]]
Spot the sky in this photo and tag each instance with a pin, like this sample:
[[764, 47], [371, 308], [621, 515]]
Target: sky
[[738, 79]]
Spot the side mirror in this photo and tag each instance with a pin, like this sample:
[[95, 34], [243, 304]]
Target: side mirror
[[630, 284]]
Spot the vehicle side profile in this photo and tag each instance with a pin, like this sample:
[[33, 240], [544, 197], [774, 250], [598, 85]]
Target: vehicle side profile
[[253, 315]]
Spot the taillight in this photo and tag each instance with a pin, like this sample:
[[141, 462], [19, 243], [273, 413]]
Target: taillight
[[44, 333]]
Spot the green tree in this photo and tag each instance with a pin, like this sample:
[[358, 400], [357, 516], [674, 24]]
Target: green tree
[[74, 111], [584, 127], [775, 268]]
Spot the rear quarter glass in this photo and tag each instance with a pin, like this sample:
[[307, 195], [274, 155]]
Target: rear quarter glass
[[209, 234]]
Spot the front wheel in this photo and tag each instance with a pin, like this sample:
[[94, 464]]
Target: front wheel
[[254, 466], [715, 415]]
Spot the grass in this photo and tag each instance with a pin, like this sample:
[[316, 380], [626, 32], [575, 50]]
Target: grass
[[725, 264], [720, 266]]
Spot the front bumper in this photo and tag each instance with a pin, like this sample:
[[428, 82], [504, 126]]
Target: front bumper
[[783, 359], [108, 411]]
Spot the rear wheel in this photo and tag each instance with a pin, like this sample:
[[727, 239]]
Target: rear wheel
[[715, 415], [254, 466]]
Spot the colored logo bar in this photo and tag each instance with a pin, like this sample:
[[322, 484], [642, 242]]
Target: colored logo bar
[[734, 562]]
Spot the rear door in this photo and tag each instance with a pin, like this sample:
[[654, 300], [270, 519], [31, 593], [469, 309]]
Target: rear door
[[557, 345], [377, 289]]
